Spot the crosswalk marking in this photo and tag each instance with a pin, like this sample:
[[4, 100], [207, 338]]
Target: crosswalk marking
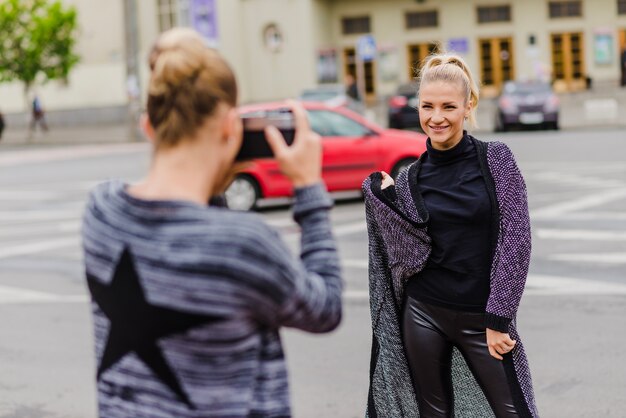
[[15, 158], [40, 215], [591, 258], [14, 295], [38, 247], [536, 285], [585, 202], [581, 234]]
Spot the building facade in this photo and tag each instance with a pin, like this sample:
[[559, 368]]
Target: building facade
[[279, 47]]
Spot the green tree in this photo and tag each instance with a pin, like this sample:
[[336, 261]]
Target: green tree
[[37, 41]]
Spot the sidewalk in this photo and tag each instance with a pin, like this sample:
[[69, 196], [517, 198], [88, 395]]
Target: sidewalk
[[88, 134], [603, 106]]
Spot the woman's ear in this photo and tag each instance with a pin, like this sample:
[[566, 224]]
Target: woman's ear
[[233, 127], [147, 127], [469, 108]]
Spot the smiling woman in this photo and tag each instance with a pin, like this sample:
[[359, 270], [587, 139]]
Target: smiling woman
[[454, 262], [448, 96]]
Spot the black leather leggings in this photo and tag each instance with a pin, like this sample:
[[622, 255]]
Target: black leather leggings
[[430, 333]]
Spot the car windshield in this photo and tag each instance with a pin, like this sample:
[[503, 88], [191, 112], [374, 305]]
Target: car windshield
[[327, 123], [319, 95], [523, 89]]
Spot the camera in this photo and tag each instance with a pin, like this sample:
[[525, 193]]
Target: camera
[[254, 144]]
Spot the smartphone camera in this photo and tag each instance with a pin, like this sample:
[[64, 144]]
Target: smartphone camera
[[254, 144]]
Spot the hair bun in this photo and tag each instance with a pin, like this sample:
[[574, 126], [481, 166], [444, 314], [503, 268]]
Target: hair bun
[[188, 82]]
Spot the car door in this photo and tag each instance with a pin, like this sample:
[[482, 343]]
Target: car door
[[350, 149]]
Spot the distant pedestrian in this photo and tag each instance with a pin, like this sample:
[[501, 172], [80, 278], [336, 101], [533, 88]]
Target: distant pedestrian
[[449, 256], [623, 65], [2, 124], [352, 88], [38, 116], [188, 299]]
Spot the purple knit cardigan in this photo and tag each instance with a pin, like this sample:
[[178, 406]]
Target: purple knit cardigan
[[399, 247]]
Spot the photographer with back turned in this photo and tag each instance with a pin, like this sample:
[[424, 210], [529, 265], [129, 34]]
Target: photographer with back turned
[[187, 298]]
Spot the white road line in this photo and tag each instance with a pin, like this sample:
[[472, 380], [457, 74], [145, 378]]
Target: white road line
[[349, 229], [14, 295], [29, 195], [38, 229], [357, 264], [597, 258], [41, 215], [540, 283], [588, 201], [37, 247], [576, 179], [581, 235], [601, 166], [293, 237], [554, 285], [13, 158], [585, 216]]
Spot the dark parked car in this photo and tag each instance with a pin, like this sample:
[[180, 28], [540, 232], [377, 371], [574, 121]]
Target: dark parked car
[[403, 108], [528, 103]]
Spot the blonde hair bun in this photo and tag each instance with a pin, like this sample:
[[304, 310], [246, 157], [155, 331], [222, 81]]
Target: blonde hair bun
[[188, 82]]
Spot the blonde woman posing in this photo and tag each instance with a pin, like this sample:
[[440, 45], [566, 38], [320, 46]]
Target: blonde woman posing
[[449, 255]]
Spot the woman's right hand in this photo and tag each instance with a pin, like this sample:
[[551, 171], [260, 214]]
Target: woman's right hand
[[387, 181], [302, 161]]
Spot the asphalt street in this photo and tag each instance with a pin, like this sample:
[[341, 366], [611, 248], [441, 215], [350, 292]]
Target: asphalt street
[[572, 317]]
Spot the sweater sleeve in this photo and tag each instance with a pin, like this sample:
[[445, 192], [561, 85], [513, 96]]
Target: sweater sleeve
[[305, 291], [512, 255]]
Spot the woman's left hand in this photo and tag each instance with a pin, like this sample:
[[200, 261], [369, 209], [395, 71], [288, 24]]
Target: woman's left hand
[[499, 343]]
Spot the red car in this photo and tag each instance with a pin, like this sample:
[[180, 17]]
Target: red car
[[353, 148]]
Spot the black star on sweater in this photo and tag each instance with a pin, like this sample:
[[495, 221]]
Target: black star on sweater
[[136, 325]]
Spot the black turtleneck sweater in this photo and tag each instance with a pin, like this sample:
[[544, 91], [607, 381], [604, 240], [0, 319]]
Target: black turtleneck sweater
[[454, 191]]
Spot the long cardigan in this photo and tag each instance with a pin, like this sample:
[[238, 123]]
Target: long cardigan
[[399, 247]]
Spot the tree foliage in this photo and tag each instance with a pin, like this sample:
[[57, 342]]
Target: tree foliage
[[37, 41]]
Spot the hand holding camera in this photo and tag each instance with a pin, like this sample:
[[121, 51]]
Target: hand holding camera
[[302, 161]]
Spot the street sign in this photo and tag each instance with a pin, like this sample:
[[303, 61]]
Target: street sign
[[366, 48], [204, 20]]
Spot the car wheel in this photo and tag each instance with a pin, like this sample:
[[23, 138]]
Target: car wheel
[[401, 165], [243, 193], [555, 125]]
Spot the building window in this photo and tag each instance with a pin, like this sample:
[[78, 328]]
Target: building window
[[415, 20], [490, 14], [565, 9], [621, 7], [568, 59], [166, 10], [496, 61], [417, 54], [354, 25]]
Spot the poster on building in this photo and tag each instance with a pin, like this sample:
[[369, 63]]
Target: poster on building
[[327, 66], [458, 45], [388, 62], [603, 47], [203, 15]]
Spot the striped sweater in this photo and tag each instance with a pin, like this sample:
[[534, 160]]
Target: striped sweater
[[187, 303]]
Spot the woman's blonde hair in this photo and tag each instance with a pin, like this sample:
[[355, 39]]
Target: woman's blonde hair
[[188, 82], [451, 68]]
